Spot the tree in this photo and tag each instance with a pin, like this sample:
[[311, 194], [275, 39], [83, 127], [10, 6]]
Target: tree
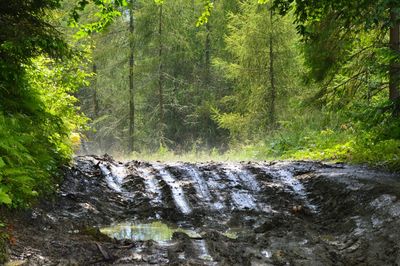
[[174, 81], [161, 124], [272, 94], [262, 64], [131, 82], [25, 34], [394, 68], [26, 144], [39, 73], [352, 18]]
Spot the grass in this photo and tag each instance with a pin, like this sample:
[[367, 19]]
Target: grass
[[309, 135], [340, 144]]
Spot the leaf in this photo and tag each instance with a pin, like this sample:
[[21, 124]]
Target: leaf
[[121, 3], [203, 19], [4, 198]]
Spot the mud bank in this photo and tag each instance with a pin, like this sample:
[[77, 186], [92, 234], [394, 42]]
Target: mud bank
[[276, 213]]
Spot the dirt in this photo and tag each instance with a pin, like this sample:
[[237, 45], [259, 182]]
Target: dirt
[[250, 213]]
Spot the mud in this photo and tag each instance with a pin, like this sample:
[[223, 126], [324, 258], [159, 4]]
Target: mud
[[272, 213]]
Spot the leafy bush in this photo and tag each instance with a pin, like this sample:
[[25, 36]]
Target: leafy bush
[[372, 138], [376, 145], [34, 144]]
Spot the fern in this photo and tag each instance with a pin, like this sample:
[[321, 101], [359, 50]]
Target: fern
[[35, 138]]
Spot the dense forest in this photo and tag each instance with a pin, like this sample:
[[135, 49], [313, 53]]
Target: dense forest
[[223, 79]]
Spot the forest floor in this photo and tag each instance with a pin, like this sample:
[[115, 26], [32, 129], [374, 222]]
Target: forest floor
[[271, 213]]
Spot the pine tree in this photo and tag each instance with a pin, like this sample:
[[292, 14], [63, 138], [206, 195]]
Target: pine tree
[[261, 46]]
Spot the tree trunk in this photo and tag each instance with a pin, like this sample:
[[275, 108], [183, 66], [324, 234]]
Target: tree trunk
[[394, 71], [96, 109], [272, 94], [131, 138], [160, 76], [94, 86], [207, 54]]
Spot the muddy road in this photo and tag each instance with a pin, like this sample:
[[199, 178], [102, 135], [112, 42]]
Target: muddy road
[[277, 213]]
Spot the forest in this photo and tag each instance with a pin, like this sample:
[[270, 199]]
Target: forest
[[316, 81], [223, 80], [236, 80]]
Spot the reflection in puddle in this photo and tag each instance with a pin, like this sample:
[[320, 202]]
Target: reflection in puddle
[[157, 231], [15, 263], [177, 191], [266, 253], [232, 234], [202, 250]]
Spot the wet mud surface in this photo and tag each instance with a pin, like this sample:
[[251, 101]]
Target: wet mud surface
[[276, 213]]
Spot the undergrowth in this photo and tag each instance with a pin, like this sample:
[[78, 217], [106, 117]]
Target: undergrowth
[[37, 138], [326, 145], [307, 137]]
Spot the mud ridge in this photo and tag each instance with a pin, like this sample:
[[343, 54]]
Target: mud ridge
[[251, 213]]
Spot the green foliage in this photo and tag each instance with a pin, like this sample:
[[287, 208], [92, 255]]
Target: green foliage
[[325, 136], [25, 34], [196, 154], [357, 148], [251, 32], [105, 14], [190, 87], [32, 147], [367, 13], [216, 81], [208, 7], [347, 45]]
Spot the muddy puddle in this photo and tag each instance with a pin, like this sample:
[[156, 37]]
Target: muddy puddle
[[272, 213], [157, 231]]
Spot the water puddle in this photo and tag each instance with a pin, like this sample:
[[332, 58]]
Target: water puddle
[[156, 231], [297, 187], [243, 201], [202, 250], [233, 180], [16, 263], [151, 183], [214, 184], [231, 233], [114, 176], [287, 178], [200, 184], [176, 189], [238, 175], [266, 253]]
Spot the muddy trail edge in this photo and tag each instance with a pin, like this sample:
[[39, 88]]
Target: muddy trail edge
[[274, 213]]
